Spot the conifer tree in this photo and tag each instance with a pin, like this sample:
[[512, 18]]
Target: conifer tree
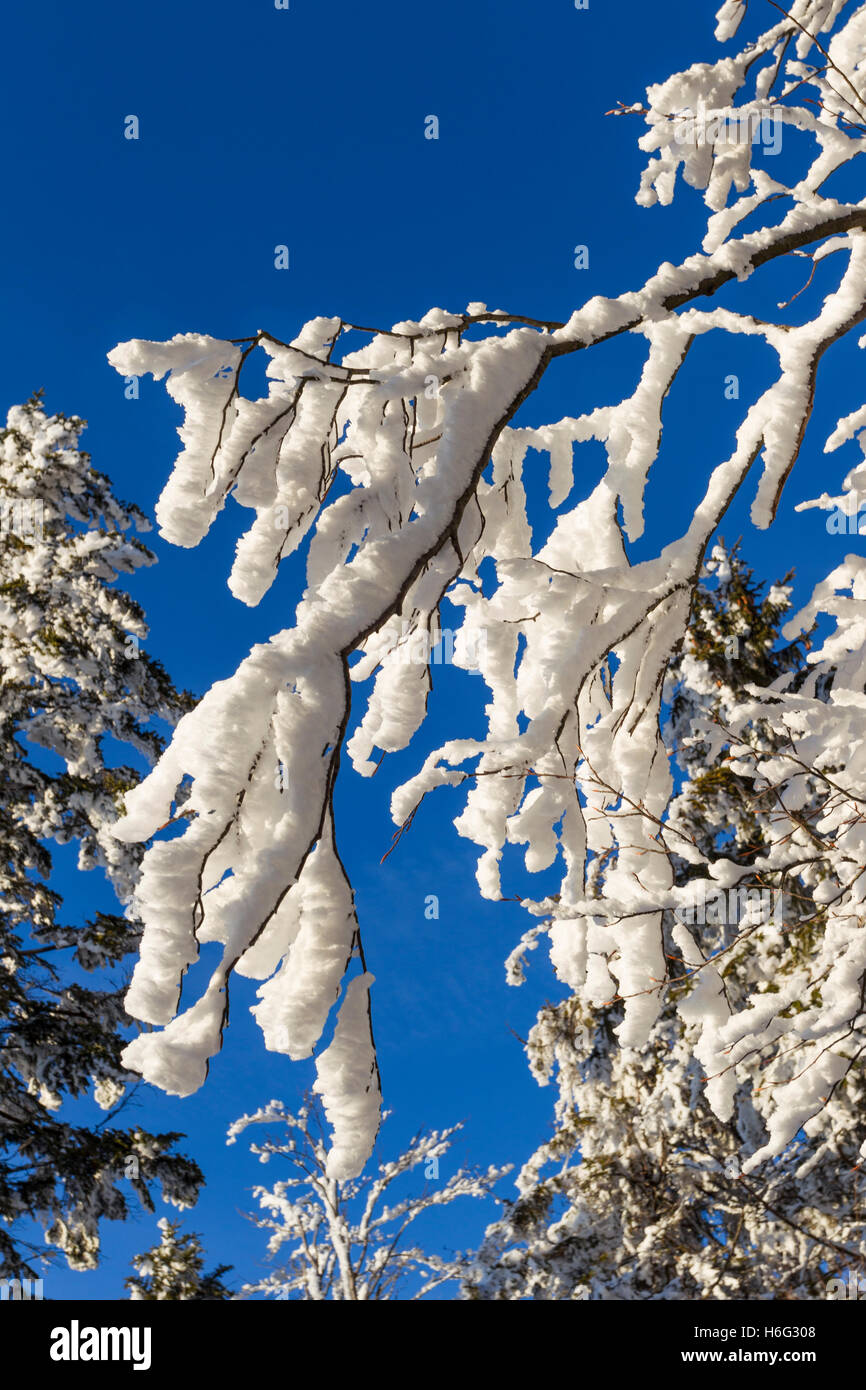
[[174, 1269], [74, 686]]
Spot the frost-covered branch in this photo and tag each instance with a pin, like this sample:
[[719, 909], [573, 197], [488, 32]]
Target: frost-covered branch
[[346, 1240]]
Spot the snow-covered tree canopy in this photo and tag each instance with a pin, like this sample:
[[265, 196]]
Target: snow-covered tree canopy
[[639, 1193], [398, 456]]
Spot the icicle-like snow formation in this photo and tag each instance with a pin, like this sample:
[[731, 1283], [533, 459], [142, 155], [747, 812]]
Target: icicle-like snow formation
[[348, 1081]]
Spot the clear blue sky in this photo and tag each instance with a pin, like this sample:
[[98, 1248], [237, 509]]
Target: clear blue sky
[[305, 127]]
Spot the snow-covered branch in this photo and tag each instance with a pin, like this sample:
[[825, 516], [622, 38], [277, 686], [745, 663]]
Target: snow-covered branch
[[400, 465]]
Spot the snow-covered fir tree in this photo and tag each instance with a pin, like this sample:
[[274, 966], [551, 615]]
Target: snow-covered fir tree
[[639, 1194], [174, 1269], [400, 466], [73, 682], [347, 1239]]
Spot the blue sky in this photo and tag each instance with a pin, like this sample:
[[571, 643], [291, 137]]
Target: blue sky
[[305, 127]]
